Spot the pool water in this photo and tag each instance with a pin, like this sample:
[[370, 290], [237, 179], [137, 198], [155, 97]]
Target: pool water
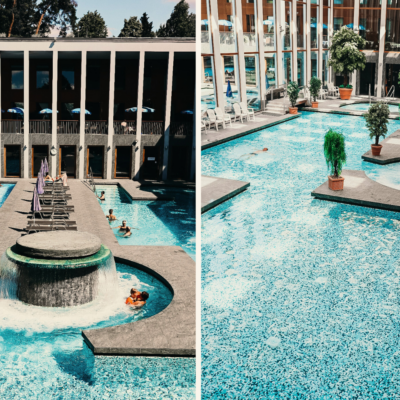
[[43, 355], [156, 223], [5, 190], [365, 106], [300, 297]]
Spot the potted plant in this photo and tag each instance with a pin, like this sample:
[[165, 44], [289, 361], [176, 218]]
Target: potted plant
[[335, 156], [315, 87], [377, 119], [293, 93], [346, 57]]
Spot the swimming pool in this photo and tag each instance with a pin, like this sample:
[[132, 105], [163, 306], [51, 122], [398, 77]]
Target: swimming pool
[[43, 355], [300, 297], [156, 223], [5, 190], [365, 106]]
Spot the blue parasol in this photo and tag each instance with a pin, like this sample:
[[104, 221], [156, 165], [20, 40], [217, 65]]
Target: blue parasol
[[78, 111], [229, 90]]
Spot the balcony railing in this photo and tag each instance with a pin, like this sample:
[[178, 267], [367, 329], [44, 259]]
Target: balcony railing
[[269, 41], [68, 127], [250, 41], [40, 126], [152, 127], [181, 129], [121, 129], [12, 126], [205, 42], [227, 42], [96, 127]]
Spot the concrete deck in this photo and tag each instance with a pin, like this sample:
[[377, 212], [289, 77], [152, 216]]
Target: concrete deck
[[215, 190], [169, 333], [359, 190], [390, 152]]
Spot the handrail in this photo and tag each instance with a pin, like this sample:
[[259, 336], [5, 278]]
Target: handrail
[[391, 91]]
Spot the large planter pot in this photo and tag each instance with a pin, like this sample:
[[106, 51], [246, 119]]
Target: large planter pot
[[345, 94], [376, 150], [292, 110], [336, 183], [314, 104]]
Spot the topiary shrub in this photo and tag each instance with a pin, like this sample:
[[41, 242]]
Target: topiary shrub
[[335, 152], [377, 118], [315, 87], [345, 54], [293, 91]]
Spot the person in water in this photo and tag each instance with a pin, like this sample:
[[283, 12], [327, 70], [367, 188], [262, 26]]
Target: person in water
[[102, 196], [254, 153], [128, 232], [123, 227], [111, 216], [137, 299]]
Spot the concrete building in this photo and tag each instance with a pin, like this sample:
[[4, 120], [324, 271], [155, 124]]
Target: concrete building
[[105, 77], [262, 44]]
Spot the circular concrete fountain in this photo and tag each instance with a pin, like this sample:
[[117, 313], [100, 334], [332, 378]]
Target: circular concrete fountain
[[58, 269]]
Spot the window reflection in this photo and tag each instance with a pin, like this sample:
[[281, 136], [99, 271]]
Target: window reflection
[[342, 17], [314, 63], [301, 68], [270, 71], [314, 27], [286, 25], [369, 26], [269, 25], [252, 82], [301, 23], [231, 80], [207, 84], [287, 67], [249, 25], [206, 47], [226, 22], [392, 38]]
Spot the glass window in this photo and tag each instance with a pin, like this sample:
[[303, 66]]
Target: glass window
[[68, 79], [231, 79], [325, 31], [325, 68], [342, 17], [12, 161], [314, 26], [301, 23], [343, 3], [287, 33], [370, 21], [17, 78], [287, 67], [249, 18], [270, 71], [314, 2], [314, 63], [327, 3], [370, 3], [301, 68], [207, 84], [252, 82], [393, 3], [269, 25], [93, 77], [226, 22], [392, 39], [206, 46], [42, 79]]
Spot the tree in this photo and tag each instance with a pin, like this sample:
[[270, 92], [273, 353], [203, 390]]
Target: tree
[[346, 56], [180, 24], [91, 25], [377, 119], [17, 18], [132, 28], [335, 152], [147, 26]]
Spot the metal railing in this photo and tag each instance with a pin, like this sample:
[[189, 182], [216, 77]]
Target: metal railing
[[96, 127], [12, 126], [269, 41], [227, 42], [181, 129], [68, 127], [40, 126], [129, 129], [152, 127], [250, 41]]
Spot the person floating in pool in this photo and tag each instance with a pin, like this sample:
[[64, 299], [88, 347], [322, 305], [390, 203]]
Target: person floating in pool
[[255, 153], [102, 196], [137, 299], [111, 216]]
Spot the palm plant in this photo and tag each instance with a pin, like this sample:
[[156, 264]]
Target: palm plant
[[377, 119], [335, 152], [315, 87]]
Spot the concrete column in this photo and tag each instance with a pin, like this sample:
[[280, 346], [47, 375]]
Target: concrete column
[[278, 33], [138, 153], [294, 41], [111, 116], [54, 114], [330, 33], [356, 30], [308, 51], [193, 158], [320, 37], [261, 61], [167, 118], [25, 151], [381, 87], [1, 153], [218, 66], [82, 174], [240, 44]]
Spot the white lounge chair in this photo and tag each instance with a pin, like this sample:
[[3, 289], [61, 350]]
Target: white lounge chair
[[247, 111], [238, 113], [203, 126], [213, 119], [222, 117], [322, 94]]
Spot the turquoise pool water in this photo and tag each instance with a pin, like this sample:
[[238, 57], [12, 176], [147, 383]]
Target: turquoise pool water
[[300, 297], [5, 190], [43, 355], [365, 106], [156, 223]]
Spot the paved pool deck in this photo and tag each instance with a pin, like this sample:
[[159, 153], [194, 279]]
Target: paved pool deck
[[360, 190], [215, 191], [169, 333], [390, 152]]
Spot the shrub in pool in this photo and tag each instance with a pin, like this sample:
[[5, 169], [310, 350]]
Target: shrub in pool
[[315, 87], [377, 118], [293, 93], [335, 152]]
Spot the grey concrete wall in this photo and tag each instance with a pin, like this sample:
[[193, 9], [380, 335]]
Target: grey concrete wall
[[12, 138]]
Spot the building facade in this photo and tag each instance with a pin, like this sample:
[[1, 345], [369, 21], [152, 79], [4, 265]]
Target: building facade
[[104, 78], [261, 44]]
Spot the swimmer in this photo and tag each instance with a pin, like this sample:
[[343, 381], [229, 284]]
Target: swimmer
[[137, 299], [111, 216], [127, 232], [123, 227], [102, 196], [254, 153]]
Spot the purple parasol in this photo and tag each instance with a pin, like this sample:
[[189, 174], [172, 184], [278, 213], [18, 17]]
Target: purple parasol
[[46, 166], [35, 205], [39, 184], [42, 168]]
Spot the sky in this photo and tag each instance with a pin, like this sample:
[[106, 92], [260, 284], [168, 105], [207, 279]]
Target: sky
[[114, 12]]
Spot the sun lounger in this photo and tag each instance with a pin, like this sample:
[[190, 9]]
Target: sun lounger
[[213, 119], [49, 228], [247, 111], [238, 113]]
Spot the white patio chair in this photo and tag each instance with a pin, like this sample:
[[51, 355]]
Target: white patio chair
[[203, 126], [213, 119], [322, 94], [221, 116], [238, 113], [333, 90], [247, 111]]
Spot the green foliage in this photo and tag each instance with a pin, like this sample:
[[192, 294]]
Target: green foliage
[[345, 54], [315, 87], [132, 28], [335, 152], [91, 25], [377, 119], [147, 26], [180, 24], [346, 87], [293, 92]]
